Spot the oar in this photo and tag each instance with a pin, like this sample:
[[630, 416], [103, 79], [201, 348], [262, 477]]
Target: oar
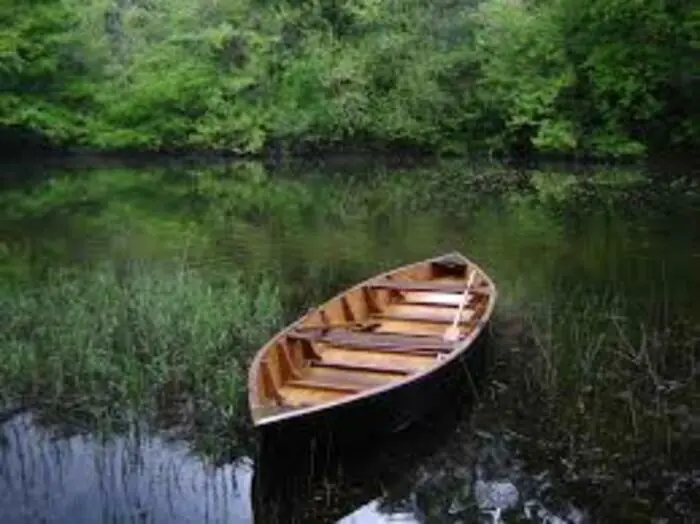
[[453, 332]]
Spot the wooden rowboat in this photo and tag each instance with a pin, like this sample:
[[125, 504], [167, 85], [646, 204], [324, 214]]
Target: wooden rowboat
[[376, 356]]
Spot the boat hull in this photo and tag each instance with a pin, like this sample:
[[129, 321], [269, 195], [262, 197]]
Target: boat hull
[[362, 421]]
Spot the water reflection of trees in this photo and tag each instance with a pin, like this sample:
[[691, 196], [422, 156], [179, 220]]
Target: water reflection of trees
[[137, 476]]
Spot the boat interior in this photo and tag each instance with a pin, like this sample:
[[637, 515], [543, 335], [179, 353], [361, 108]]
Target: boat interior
[[380, 332]]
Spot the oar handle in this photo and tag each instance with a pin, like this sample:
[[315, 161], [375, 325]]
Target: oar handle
[[463, 302]]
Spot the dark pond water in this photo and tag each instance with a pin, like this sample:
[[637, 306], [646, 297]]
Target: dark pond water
[[589, 413]]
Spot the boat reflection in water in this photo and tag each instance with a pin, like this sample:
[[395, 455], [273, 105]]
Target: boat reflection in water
[[439, 470], [368, 481]]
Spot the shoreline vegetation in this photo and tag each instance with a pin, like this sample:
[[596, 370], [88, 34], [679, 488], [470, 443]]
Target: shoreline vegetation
[[515, 78], [102, 344], [102, 348]]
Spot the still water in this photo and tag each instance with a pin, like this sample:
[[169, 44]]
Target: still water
[[578, 257], [132, 478]]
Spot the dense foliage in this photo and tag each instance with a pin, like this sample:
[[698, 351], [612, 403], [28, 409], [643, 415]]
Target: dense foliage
[[603, 76]]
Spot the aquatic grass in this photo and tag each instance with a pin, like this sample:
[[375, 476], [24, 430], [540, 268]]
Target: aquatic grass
[[608, 388], [146, 337], [578, 334], [570, 339]]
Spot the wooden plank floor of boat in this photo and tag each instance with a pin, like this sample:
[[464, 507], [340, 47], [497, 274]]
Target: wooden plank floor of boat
[[406, 339]]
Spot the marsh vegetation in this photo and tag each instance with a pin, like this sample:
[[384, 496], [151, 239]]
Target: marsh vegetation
[[137, 296]]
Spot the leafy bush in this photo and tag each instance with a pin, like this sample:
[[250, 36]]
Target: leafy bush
[[551, 75]]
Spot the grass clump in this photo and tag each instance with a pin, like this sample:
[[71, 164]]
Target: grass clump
[[604, 391], [140, 337]]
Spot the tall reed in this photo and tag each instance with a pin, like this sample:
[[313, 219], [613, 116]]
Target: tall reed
[[116, 338]]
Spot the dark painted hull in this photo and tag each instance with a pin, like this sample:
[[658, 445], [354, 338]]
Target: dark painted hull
[[285, 491], [354, 424]]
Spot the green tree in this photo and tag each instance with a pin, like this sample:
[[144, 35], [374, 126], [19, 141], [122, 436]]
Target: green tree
[[637, 69], [525, 82], [40, 69], [603, 76]]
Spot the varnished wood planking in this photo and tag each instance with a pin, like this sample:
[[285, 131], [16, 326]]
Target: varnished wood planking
[[426, 313], [299, 396], [411, 328], [431, 298], [362, 356], [358, 379]]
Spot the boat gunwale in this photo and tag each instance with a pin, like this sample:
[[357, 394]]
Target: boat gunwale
[[456, 353]]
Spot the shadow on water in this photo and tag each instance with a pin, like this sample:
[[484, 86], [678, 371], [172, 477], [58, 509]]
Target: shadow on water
[[324, 487]]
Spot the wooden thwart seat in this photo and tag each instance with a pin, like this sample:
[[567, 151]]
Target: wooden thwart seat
[[425, 314], [341, 380], [372, 368], [419, 285], [349, 339], [432, 298], [324, 384], [425, 285]]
